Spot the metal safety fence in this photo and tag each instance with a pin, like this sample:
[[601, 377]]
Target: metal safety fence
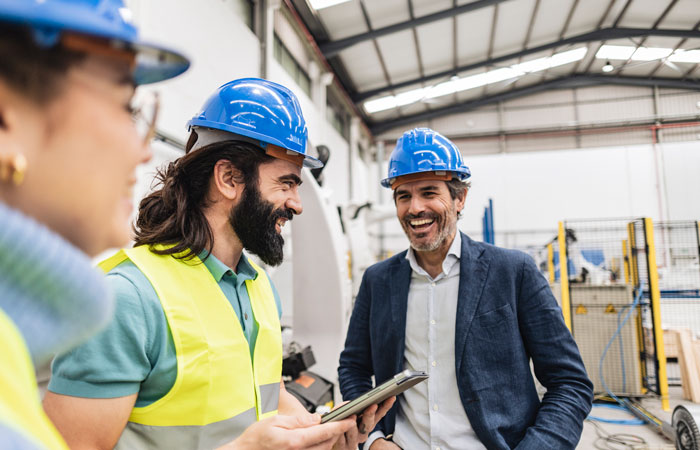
[[678, 261], [607, 283]]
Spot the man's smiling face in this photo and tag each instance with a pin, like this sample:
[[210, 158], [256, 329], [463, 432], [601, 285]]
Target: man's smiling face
[[427, 213]]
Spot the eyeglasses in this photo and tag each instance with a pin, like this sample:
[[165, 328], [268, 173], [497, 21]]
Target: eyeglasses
[[143, 104], [144, 107]]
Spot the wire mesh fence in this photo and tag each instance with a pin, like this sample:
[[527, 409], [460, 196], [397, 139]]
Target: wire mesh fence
[[612, 315], [678, 261], [605, 319], [631, 283]]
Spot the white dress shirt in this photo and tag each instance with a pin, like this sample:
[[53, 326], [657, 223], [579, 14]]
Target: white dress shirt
[[430, 415]]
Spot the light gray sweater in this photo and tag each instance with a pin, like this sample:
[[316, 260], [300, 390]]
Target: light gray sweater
[[48, 287]]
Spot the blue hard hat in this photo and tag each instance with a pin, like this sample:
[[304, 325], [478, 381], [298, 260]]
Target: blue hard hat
[[258, 109], [424, 150], [106, 19]]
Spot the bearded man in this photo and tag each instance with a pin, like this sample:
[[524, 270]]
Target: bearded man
[[471, 315], [193, 357]]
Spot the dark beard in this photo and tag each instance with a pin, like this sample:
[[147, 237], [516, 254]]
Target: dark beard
[[446, 227], [253, 220]]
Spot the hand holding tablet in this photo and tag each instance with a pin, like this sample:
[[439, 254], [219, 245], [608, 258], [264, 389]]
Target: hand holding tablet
[[396, 385]]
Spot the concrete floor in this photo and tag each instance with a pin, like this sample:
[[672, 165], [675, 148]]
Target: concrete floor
[[653, 440]]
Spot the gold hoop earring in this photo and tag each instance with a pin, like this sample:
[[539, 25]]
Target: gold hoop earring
[[13, 168]]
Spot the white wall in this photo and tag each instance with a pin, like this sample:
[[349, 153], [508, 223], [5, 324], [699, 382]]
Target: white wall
[[682, 164], [535, 190], [214, 37], [320, 133]]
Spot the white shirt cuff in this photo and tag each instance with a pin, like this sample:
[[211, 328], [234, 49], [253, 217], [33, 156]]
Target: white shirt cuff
[[373, 436]]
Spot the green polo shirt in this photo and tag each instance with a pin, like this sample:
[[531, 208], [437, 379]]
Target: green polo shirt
[[136, 353]]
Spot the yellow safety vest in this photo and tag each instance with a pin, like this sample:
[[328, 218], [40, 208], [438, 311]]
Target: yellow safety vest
[[20, 405], [218, 391]]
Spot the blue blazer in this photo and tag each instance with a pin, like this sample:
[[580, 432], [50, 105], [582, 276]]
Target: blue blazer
[[506, 316]]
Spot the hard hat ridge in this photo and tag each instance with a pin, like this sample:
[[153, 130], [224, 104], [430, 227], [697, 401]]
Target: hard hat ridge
[[424, 151], [259, 110]]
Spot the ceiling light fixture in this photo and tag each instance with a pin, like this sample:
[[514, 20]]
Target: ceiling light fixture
[[607, 68]]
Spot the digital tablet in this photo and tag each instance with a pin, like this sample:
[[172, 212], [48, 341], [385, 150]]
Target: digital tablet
[[396, 385]]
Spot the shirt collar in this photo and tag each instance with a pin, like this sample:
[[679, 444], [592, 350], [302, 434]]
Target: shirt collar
[[218, 269], [456, 247], [453, 255]]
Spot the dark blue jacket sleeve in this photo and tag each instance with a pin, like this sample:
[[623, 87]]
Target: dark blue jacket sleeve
[[557, 363], [356, 369]]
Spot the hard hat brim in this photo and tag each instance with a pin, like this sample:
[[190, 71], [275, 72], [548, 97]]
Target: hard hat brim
[[155, 63], [309, 161], [462, 176]]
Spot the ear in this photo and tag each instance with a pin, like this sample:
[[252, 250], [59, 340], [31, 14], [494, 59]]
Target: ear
[[10, 142], [461, 199], [8, 115], [227, 180]]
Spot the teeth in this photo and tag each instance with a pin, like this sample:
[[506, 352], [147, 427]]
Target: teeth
[[417, 223]]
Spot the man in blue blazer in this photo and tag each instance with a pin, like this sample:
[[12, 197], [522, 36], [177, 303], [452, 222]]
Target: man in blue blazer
[[471, 315]]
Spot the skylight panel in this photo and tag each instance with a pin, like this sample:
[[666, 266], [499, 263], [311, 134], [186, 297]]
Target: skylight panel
[[320, 4], [651, 53], [474, 81], [380, 104], [622, 52], [685, 56]]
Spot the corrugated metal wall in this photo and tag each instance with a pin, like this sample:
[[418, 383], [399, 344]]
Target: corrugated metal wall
[[598, 116]]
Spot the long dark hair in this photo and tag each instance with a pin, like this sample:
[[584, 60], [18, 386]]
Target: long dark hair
[[173, 214]]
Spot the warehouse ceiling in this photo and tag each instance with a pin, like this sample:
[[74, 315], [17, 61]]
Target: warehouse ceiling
[[404, 61]]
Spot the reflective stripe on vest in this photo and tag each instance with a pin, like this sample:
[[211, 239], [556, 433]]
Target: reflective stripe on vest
[[20, 405], [218, 391]]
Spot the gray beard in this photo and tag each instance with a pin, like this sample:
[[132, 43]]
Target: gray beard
[[445, 233]]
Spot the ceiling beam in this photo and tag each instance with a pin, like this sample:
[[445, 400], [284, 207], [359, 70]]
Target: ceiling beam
[[655, 25], [597, 27], [567, 82], [617, 21], [334, 47], [597, 35], [562, 33]]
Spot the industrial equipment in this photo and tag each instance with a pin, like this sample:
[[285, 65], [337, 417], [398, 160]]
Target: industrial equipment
[[597, 313], [685, 423], [313, 391], [296, 361]]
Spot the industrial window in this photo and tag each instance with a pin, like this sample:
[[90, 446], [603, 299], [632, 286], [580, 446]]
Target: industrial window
[[286, 60], [336, 114], [244, 10]]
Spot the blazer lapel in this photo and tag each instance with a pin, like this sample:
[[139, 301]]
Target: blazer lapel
[[398, 284], [472, 277]]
